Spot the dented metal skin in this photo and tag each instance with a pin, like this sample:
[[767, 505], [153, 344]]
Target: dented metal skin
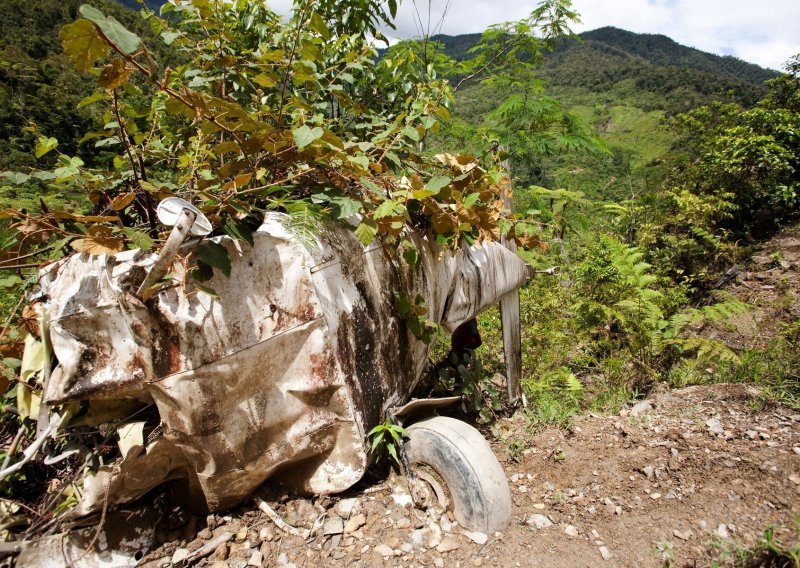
[[281, 375]]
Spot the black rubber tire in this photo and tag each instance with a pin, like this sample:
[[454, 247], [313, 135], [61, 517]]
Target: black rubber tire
[[459, 454]]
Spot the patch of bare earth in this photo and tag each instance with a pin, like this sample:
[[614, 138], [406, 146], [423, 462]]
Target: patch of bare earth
[[680, 476], [771, 284]]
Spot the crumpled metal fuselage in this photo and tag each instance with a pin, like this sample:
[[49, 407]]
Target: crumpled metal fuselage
[[282, 373]]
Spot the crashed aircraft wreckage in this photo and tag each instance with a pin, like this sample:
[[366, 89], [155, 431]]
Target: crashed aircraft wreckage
[[278, 375]]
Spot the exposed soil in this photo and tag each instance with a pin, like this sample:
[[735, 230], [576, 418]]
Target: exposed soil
[[770, 282], [684, 476]]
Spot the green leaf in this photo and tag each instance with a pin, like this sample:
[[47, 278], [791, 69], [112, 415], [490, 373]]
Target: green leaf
[[170, 37], [138, 239], [83, 44], [392, 452], [366, 231], [238, 229], [385, 209], [411, 132], [17, 178], [435, 184], [471, 200], [44, 145], [303, 135], [360, 160], [91, 99], [206, 290], [127, 41], [215, 255], [343, 207], [318, 25], [402, 304], [410, 253]]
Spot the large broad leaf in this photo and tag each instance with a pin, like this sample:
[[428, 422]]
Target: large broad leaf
[[127, 41], [215, 255], [82, 44], [437, 183], [98, 245], [44, 145], [366, 231], [303, 135]]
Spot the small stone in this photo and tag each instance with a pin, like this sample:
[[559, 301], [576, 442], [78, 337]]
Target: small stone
[[435, 537], [406, 547], [618, 510], [702, 524], [241, 535], [714, 426], [266, 534], [418, 538], [571, 531], [624, 413], [655, 496], [649, 471], [283, 559], [438, 562], [514, 478], [794, 478], [384, 550], [605, 553], [539, 506], [722, 531], [752, 434], [477, 537], [205, 534], [522, 489], [449, 543], [446, 525], [403, 523], [477, 562], [333, 525], [641, 407], [255, 559], [364, 548], [685, 535], [221, 552], [180, 555], [392, 542], [796, 450], [354, 523], [538, 521], [402, 499], [345, 507]]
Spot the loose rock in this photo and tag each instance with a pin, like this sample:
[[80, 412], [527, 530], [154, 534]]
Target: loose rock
[[538, 521], [477, 537]]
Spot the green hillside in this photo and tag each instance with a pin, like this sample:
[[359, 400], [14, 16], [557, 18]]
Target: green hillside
[[625, 85]]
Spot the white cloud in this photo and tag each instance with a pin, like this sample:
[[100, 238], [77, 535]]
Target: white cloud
[[766, 32]]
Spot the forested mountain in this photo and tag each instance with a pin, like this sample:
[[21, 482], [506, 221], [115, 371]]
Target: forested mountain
[[609, 59], [38, 85]]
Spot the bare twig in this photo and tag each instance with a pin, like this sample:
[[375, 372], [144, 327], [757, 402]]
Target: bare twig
[[33, 449], [12, 449], [280, 523]]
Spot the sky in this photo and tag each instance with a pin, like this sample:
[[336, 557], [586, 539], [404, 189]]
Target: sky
[[766, 32]]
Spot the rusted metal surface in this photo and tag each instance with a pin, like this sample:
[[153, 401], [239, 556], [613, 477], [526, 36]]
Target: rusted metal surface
[[281, 375]]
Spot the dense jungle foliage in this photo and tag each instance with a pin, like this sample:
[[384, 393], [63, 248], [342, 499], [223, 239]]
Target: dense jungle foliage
[[642, 171]]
